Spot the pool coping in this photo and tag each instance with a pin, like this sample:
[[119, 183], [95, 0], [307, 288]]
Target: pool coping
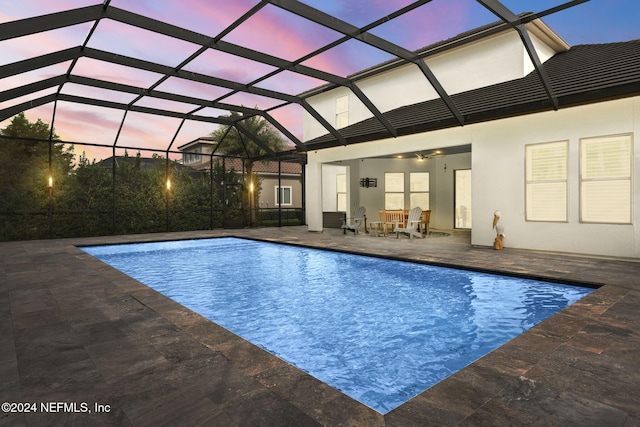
[[578, 366]]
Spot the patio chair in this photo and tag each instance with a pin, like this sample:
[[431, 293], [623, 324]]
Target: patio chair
[[411, 228], [356, 221]]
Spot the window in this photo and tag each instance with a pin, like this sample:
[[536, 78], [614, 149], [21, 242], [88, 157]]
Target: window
[[605, 179], [463, 198], [342, 111], [191, 156], [419, 190], [284, 196], [393, 190], [341, 190], [546, 181]]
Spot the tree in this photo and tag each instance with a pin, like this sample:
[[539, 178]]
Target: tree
[[25, 168], [234, 142], [91, 198]]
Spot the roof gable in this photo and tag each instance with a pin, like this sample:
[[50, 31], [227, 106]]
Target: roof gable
[[584, 74]]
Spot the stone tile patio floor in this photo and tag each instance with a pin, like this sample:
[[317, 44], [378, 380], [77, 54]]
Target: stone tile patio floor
[[75, 331]]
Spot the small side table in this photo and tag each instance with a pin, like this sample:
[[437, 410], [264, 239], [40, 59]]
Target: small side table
[[377, 228]]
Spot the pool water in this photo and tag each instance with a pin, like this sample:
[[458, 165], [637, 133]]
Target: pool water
[[380, 331]]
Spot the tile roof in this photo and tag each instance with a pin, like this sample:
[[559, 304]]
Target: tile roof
[[259, 167], [583, 74]]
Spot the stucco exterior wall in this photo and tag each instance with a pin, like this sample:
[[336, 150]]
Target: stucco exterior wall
[[486, 62], [268, 191], [498, 177]]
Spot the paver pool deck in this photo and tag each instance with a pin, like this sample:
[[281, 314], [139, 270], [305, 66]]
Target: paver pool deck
[[90, 346]]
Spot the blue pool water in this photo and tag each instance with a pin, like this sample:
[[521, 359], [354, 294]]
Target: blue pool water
[[381, 331]]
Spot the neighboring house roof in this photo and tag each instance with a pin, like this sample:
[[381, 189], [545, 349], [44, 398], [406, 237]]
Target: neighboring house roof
[[584, 74], [261, 167], [272, 168], [203, 140]]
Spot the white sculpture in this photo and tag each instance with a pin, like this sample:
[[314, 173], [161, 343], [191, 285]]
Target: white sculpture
[[497, 243]]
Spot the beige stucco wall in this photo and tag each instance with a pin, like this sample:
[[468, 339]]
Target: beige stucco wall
[[268, 191]]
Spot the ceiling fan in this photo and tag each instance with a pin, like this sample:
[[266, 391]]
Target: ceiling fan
[[431, 155]]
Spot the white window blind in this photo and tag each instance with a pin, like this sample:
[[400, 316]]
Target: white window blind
[[342, 111], [463, 198], [605, 179], [394, 190], [419, 189], [341, 191], [546, 181]]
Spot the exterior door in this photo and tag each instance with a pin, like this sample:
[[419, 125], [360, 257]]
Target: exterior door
[[462, 195]]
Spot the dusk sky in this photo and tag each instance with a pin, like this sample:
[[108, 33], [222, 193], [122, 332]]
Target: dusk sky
[[271, 30]]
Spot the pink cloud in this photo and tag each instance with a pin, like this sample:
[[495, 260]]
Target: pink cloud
[[190, 88], [127, 40], [290, 83], [291, 117], [433, 22], [97, 93], [43, 112], [192, 130], [114, 73], [31, 77], [86, 123], [348, 58], [4, 17], [357, 13], [226, 66], [27, 98], [207, 17], [33, 45], [15, 10], [251, 100], [165, 104], [280, 33], [148, 131]]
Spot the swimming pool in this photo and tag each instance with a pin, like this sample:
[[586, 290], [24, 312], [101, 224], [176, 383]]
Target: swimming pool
[[381, 331]]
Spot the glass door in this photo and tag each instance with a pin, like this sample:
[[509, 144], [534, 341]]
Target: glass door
[[462, 185]]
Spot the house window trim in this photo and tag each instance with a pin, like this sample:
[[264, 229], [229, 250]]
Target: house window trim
[[630, 179], [427, 191], [565, 181], [394, 192], [290, 195]]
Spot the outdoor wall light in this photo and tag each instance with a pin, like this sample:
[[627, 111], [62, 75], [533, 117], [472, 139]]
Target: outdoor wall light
[[368, 182]]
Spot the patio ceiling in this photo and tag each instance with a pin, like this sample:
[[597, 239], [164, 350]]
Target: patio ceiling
[[120, 70]]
